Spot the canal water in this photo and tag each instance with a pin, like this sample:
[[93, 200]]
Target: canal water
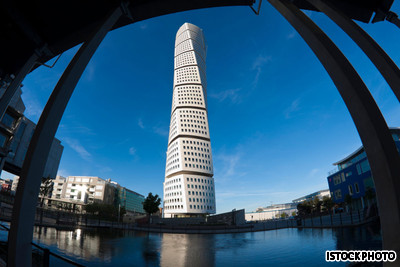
[[284, 247]]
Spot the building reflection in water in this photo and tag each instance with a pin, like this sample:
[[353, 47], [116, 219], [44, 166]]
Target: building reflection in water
[[187, 250], [128, 248], [366, 237], [79, 244]]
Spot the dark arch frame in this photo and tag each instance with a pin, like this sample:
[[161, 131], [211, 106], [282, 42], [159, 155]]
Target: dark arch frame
[[374, 133]]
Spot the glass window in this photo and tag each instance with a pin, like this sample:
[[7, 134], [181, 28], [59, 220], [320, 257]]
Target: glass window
[[358, 169], [8, 120], [350, 190], [357, 188], [3, 140], [336, 179], [365, 166], [338, 194]]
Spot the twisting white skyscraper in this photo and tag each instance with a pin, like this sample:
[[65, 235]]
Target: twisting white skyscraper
[[189, 184]]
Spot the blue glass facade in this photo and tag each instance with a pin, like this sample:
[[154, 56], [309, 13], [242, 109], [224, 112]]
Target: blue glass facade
[[132, 201], [354, 175]]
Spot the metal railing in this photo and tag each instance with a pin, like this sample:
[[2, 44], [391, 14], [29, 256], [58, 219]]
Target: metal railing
[[333, 171]]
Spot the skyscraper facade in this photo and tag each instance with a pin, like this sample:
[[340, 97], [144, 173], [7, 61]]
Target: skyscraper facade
[[189, 184]]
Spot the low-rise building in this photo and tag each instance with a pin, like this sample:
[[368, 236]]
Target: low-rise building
[[73, 192], [84, 189], [130, 200], [319, 194], [272, 212], [353, 177], [43, 193], [59, 187]]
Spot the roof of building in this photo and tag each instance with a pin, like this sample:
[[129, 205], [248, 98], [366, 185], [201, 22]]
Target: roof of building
[[361, 149], [310, 195]]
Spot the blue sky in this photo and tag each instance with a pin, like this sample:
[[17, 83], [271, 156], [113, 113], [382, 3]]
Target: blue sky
[[277, 123]]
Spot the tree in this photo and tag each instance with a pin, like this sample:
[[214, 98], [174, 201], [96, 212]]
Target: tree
[[45, 188], [104, 211], [304, 208], [327, 203], [316, 204], [151, 203], [284, 215]]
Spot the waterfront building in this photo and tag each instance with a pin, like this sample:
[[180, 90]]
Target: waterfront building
[[59, 187], [189, 184], [272, 212], [89, 189], [77, 191], [353, 177], [49, 191], [319, 194], [130, 200]]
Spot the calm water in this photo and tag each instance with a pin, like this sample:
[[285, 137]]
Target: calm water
[[284, 247]]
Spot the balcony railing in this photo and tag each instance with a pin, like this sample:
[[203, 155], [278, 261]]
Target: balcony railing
[[333, 171]]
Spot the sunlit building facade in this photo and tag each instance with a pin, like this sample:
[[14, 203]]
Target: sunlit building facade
[[189, 184], [353, 177]]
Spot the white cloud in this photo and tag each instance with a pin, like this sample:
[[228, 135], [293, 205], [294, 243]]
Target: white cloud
[[75, 145], [258, 63], [226, 166], [33, 107], [294, 106], [89, 71], [291, 35], [132, 151], [230, 94], [105, 169], [143, 26], [140, 123], [313, 172], [160, 130], [79, 129]]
